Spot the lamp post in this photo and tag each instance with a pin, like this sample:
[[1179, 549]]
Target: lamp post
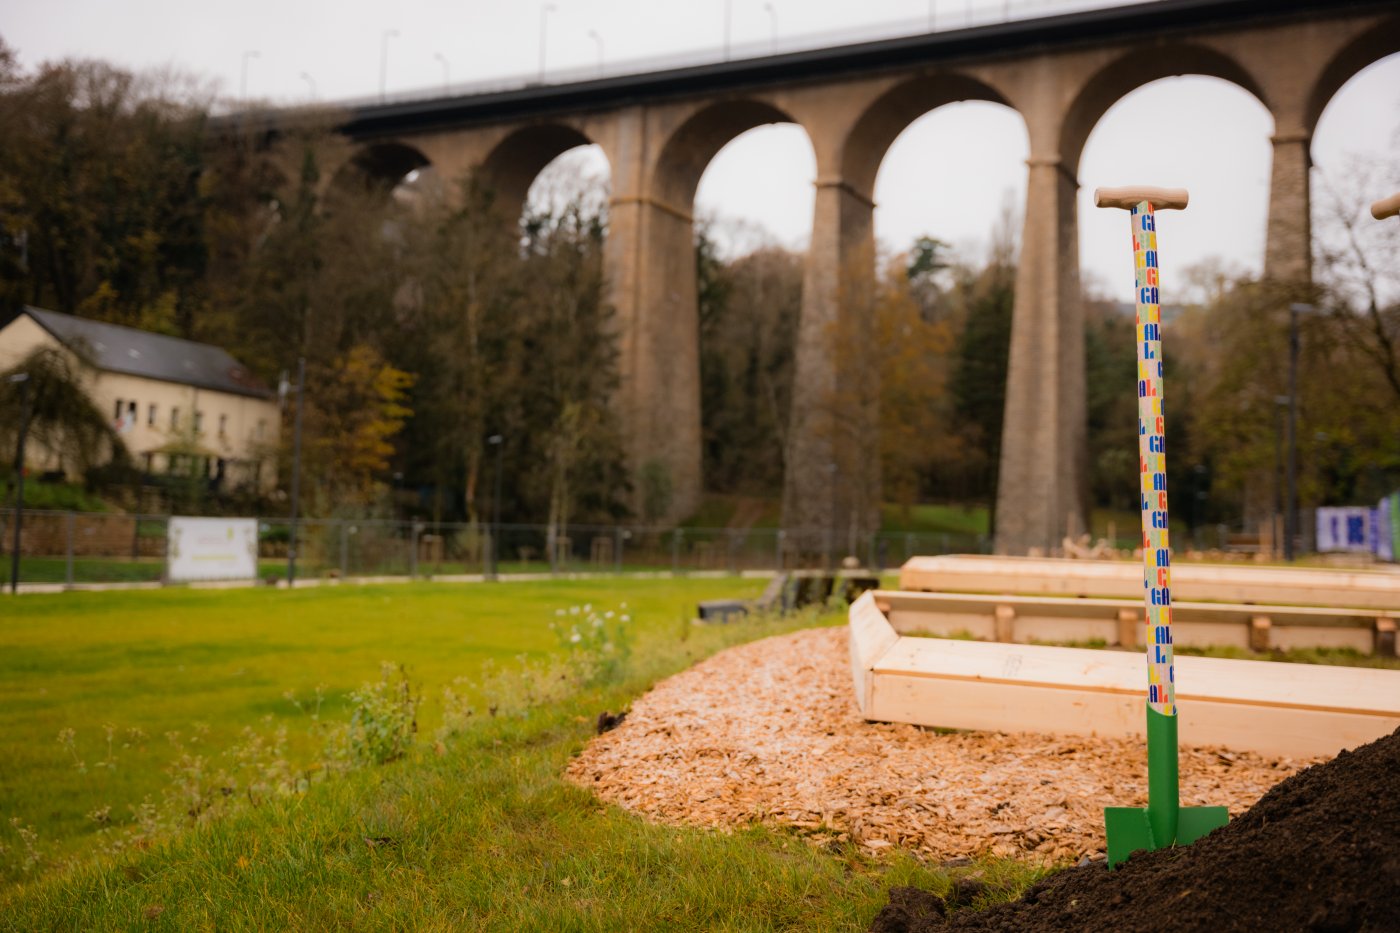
[[593, 34], [545, 10], [773, 22], [22, 380], [497, 441], [243, 75], [384, 62], [296, 470], [1290, 529], [728, 20], [310, 83], [446, 72]]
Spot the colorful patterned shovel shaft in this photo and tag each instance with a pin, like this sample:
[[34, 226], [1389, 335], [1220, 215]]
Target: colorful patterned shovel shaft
[[1152, 459]]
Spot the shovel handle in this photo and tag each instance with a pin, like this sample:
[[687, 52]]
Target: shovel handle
[[1386, 207], [1129, 197]]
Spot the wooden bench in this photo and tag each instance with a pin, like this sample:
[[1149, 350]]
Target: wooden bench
[[1360, 589], [1272, 708], [1120, 621]]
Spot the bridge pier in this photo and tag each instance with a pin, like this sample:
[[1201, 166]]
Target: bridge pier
[[650, 257], [1288, 242], [831, 478], [1042, 489]]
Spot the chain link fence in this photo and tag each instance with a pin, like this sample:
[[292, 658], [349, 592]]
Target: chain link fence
[[82, 548]]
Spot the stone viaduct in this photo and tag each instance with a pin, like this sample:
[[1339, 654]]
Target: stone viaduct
[[660, 130]]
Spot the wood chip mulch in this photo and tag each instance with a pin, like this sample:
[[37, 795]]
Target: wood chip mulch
[[768, 732]]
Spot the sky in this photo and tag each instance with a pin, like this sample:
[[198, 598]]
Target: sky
[[948, 175]]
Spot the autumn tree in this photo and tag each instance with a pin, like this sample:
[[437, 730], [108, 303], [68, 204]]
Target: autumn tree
[[749, 310], [355, 407], [99, 201]]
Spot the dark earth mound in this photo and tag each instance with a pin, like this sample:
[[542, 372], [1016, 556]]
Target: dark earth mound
[[1320, 852]]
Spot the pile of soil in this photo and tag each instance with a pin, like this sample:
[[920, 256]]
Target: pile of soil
[[1320, 852]]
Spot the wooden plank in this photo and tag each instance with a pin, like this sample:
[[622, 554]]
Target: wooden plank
[[871, 637], [1227, 680], [1268, 707], [1060, 618], [1383, 638], [982, 706], [1368, 589]]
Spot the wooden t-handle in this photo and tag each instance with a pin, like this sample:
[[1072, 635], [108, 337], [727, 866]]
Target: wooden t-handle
[[1162, 199], [1386, 207]]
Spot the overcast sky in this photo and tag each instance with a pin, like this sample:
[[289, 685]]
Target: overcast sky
[[946, 176]]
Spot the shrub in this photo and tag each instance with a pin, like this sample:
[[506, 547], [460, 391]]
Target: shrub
[[383, 722]]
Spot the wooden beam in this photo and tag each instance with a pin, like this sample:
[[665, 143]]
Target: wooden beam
[[1070, 619], [976, 573], [1263, 706]]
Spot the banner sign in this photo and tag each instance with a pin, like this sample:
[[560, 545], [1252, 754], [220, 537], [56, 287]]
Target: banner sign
[[211, 549], [1346, 529]]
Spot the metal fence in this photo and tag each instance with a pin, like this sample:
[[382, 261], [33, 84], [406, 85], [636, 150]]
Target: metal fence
[[78, 548]]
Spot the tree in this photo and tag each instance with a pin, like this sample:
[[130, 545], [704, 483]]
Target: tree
[[749, 311], [913, 351], [984, 298], [99, 192], [65, 426], [355, 409]]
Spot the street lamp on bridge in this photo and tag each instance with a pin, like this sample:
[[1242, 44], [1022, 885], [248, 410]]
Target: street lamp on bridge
[[384, 61], [243, 75], [446, 73], [593, 34], [545, 10]]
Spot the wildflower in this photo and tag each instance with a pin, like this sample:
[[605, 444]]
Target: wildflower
[[575, 638]]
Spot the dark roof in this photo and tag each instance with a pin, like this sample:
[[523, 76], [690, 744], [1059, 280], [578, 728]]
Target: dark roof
[[118, 349]]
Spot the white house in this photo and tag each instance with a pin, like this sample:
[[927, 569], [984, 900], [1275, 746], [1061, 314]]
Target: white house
[[175, 403]]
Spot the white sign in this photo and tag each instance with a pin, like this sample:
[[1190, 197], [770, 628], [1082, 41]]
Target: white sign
[[1349, 528], [211, 549]]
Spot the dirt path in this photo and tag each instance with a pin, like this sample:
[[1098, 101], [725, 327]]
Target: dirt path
[[768, 732]]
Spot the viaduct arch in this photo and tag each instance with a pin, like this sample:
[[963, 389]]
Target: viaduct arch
[[1061, 74]]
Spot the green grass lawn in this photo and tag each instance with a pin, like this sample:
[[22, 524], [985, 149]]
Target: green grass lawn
[[934, 519], [177, 660], [477, 833]]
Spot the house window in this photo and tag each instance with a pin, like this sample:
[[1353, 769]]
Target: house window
[[198, 421], [151, 415], [117, 411], [131, 413], [223, 425], [262, 428], [175, 419]]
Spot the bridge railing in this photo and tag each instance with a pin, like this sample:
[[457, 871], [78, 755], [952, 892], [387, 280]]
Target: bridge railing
[[947, 16]]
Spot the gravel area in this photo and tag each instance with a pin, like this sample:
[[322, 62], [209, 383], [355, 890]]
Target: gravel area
[[768, 732]]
